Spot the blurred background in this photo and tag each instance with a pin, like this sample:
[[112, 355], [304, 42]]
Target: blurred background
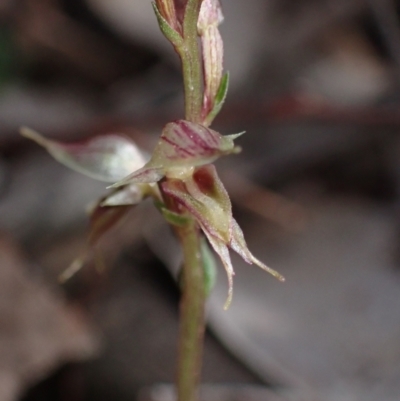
[[315, 83]]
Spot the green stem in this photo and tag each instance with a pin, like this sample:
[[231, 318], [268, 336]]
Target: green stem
[[192, 323], [193, 298], [191, 314], [191, 63]]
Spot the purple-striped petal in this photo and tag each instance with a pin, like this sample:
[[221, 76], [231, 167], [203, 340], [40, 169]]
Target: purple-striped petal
[[183, 145]]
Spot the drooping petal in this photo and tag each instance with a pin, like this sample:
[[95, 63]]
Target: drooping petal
[[107, 158], [102, 219], [222, 251], [182, 145], [238, 244]]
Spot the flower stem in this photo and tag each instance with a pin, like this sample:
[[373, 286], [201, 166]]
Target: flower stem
[[191, 332], [191, 314], [193, 298], [191, 63]]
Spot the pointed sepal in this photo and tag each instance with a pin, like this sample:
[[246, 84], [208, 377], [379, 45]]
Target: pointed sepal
[[106, 158], [238, 244]]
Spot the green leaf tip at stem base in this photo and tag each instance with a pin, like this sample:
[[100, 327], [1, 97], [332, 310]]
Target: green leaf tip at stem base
[[209, 268], [209, 265]]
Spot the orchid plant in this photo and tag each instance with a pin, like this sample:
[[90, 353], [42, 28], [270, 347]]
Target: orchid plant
[[179, 175]]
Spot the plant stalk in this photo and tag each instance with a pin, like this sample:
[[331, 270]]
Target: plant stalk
[[191, 315], [191, 63], [192, 322]]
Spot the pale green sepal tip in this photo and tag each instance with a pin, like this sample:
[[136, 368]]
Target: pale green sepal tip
[[235, 136]]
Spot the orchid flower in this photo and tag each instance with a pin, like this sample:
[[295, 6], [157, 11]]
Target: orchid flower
[[183, 156]]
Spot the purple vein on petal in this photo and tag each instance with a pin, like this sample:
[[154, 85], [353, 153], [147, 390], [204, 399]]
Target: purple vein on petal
[[194, 136], [177, 147], [212, 137]]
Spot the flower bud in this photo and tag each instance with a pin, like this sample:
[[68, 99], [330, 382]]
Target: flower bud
[[168, 11], [213, 53], [210, 14], [213, 49]]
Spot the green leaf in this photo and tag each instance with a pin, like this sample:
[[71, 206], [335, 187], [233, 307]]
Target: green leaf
[[173, 36], [209, 266], [107, 158], [219, 98]]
